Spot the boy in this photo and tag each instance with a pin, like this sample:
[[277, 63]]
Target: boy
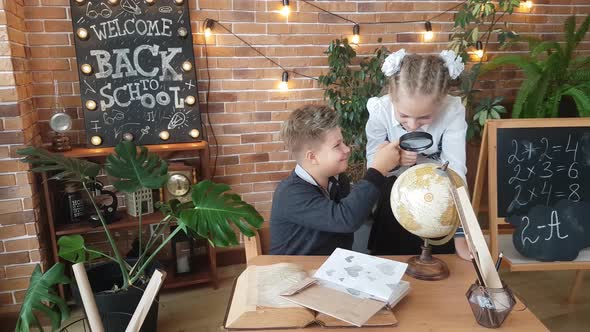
[[313, 211]]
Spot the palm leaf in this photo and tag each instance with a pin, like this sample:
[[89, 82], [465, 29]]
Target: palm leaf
[[70, 169], [73, 249], [213, 211], [41, 297], [581, 98], [136, 171]]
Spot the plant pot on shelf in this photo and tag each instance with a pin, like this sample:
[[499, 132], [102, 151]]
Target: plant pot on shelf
[[116, 308]]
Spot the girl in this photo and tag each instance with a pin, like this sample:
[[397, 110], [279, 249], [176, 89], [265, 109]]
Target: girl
[[417, 100]]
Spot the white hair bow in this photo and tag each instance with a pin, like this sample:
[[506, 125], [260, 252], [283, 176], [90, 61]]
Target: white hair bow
[[453, 63], [392, 63]]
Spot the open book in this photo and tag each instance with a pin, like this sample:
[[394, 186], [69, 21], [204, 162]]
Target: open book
[[256, 302]]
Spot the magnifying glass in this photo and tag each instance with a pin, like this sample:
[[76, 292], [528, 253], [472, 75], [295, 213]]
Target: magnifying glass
[[416, 141]]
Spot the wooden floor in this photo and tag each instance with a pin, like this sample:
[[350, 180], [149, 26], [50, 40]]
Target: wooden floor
[[202, 308]]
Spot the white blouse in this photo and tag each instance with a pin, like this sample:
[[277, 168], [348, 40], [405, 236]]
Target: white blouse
[[448, 130]]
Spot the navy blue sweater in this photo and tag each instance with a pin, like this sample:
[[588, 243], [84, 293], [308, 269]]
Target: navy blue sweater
[[304, 221]]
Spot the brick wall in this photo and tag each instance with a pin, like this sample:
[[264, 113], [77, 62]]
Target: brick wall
[[246, 109]]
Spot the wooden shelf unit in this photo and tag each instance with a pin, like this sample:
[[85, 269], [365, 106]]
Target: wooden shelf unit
[[172, 281]]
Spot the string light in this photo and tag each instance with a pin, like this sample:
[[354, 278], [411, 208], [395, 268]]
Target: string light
[[90, 105], [194, 133], [208, 27], [82, 33], [479, 49], [286, 10], [96, 140], [356, 29], [164, 135], [86, 69], [284, 85], [428, 34], [528, 4]]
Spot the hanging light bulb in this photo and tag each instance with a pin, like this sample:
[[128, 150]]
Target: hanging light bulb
[[208, 27], [355, 34], [479, 49], [91, 105], [528, 4], [286, 10], [194, 133], [96, 140], [428, 34], [82, 33], [86, 69], [164, 135], [284, 85]]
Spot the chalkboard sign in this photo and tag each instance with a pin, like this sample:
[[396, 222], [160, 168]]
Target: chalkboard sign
[[540, 166], [137, 72]]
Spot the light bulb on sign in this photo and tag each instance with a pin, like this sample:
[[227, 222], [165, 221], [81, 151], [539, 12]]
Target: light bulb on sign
[[189, 100], [86, 69], [80, 2], [182, 32], [284, 85], [128, 137], [355, 34], [82, 33], [96, 140], [114, 2], [187, 66], [91, 105], [194, 133], [150, 2], [428, 34], [286, 10], [179, 2], [164, 135]]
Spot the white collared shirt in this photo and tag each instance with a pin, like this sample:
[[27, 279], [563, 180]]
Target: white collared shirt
[[448, 130], [303, 174]]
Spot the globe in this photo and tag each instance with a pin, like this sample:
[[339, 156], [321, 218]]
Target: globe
[[422, 203]]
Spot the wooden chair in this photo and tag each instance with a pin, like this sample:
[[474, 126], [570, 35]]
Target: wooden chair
[[259, 244]]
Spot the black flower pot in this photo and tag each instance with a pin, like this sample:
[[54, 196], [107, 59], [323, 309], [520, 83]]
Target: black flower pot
[[116, 308]]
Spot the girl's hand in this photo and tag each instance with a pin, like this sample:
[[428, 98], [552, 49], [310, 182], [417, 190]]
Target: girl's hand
[[408, 158]]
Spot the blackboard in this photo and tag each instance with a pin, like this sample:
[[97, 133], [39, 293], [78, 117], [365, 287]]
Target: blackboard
[[138, 84], [541, 166]]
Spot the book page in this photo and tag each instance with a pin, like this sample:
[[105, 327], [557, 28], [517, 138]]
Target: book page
[[362, 273], [266, 283]]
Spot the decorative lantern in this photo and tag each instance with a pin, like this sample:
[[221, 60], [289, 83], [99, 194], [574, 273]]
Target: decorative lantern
[[144, 198]]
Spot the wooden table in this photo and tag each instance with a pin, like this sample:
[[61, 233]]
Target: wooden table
[[430, 305]]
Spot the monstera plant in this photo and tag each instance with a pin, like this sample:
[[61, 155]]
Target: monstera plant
[[208, 215]]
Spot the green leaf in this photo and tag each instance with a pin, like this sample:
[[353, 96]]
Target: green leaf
[[71, 169], [135, 171], [582, 100], [214, 209], [42, 298], [73, 249]]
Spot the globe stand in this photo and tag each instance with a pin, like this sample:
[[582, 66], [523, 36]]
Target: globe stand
[[426, 267]]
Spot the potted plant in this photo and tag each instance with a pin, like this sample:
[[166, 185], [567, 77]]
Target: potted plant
[[552, 71], [348, 89], [209, 215]]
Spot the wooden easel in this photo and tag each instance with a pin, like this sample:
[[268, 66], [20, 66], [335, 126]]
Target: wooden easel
[[487, 169]]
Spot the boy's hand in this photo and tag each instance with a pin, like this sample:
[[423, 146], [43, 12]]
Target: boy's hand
[[408, 158], [461, 248], [386, 158]]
